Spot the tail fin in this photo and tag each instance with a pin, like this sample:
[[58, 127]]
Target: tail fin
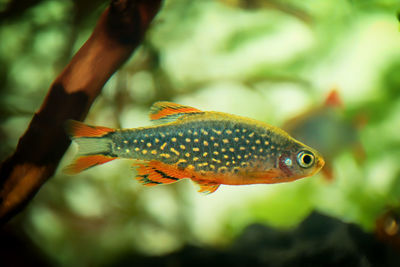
[[94, 146], [76, 129]]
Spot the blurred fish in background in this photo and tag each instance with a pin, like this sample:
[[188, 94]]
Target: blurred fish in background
[[328, 130]]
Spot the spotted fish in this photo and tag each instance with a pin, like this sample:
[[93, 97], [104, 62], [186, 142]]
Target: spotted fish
[[211, 148]]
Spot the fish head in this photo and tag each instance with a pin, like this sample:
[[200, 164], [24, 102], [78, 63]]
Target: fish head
[[299, 161]]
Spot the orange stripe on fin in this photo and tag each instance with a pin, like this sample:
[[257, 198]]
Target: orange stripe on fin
[[169, 110], [85, 162], [78, 129], [154, 173]]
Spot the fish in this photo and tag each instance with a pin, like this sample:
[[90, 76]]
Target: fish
[[327, 130], [210, 148]]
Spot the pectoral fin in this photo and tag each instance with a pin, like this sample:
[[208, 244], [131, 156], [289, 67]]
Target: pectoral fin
[[207, 187]]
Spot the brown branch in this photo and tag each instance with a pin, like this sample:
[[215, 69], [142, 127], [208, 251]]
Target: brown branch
[[116, 35]]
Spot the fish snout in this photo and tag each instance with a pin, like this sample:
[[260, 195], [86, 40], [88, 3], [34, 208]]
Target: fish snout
[[320, 163]]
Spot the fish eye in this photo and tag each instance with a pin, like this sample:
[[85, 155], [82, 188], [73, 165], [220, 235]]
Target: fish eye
[[305, 159]]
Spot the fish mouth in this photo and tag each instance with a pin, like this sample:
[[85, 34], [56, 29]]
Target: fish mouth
[[320, 163], [317, 167]]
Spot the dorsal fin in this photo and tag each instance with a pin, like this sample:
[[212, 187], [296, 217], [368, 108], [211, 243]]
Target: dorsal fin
[[333, 99], [168, 111]]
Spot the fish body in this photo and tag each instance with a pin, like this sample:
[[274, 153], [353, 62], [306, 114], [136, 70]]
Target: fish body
[[211, 148]]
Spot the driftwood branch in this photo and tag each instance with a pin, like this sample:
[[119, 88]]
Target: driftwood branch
[[118, 32]]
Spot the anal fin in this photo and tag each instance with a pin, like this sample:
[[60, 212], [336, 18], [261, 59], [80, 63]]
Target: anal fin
[[155, 173]]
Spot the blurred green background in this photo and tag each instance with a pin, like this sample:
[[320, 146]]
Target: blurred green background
[[271, 60]]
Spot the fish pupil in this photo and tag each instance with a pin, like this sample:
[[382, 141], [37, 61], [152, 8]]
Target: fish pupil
[[307, 159]]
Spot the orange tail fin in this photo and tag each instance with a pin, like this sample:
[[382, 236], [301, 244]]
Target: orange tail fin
[[85, 162], [78, 129], [93, 143]]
